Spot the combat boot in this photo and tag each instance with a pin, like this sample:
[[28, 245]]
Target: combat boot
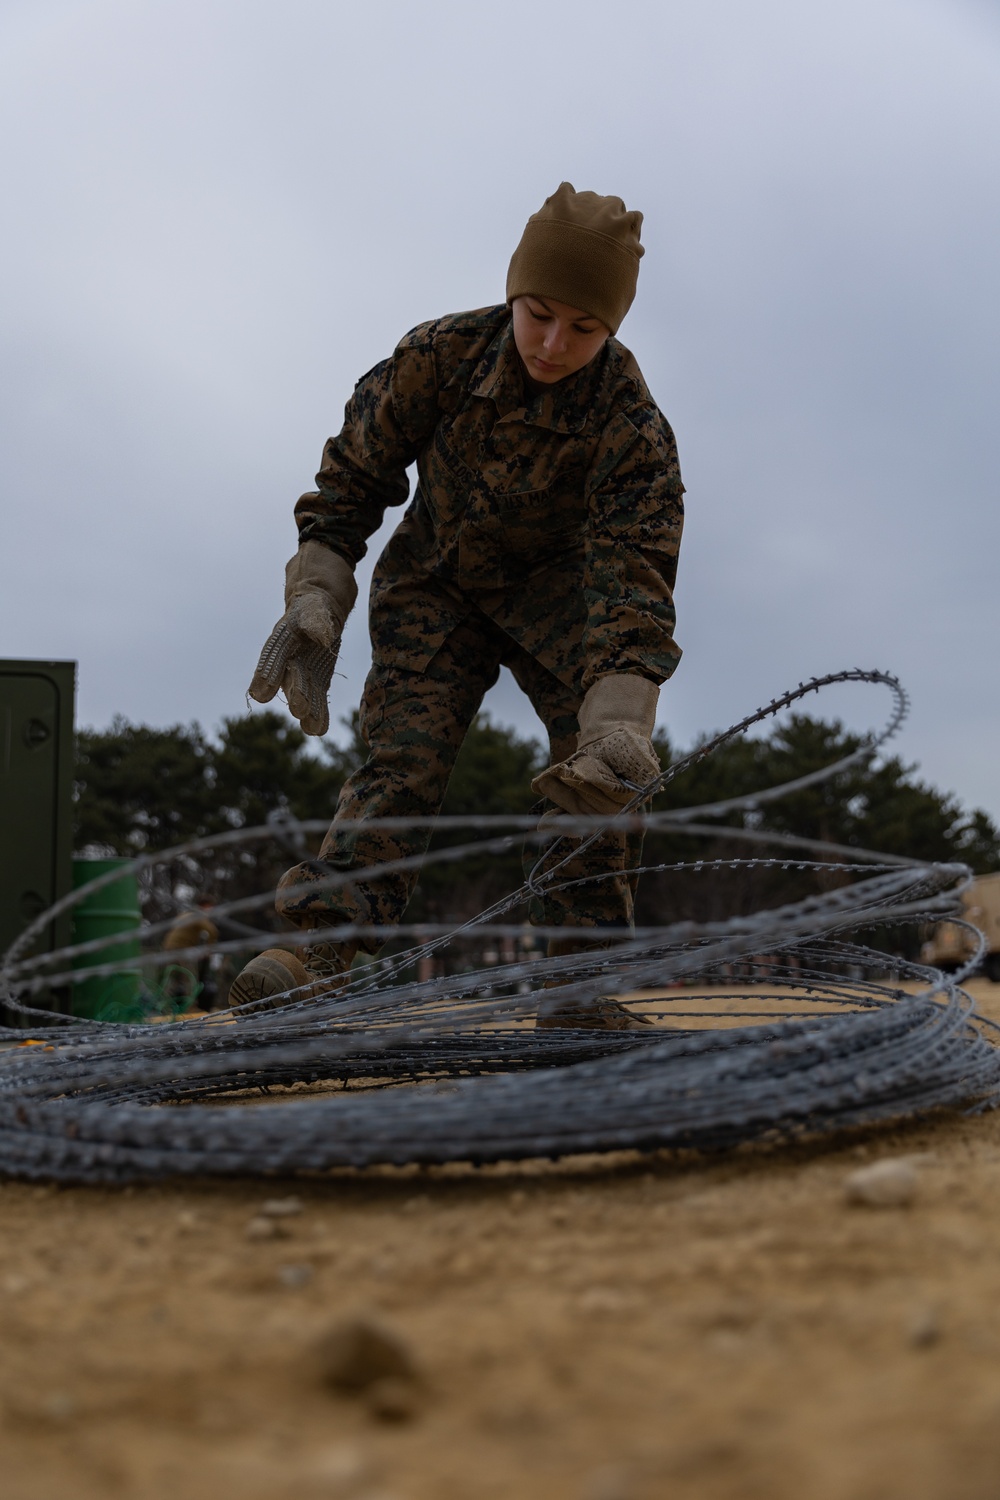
[[602, 1014], [277, 977]]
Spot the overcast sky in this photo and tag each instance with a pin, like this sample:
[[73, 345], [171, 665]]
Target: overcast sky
[[219, 213]]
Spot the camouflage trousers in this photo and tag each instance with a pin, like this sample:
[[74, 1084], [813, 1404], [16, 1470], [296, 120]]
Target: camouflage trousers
[[413, 723]]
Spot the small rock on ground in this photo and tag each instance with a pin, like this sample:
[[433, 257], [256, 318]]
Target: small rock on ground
[[392, 1399], [885, 1184], [611, 1482], [360, 1350], [341, 1469], [924, 1328], [280, 1208], [296, 1275], [265, 1229]]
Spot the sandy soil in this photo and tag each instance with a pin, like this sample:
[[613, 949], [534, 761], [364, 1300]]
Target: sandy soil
[[605, 1329]]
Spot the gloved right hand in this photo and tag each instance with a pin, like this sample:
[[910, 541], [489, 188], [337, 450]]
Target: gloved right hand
[[614, 748], [301, 652]]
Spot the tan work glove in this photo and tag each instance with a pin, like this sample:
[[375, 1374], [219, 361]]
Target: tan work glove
[[301, 652], [616, 729]]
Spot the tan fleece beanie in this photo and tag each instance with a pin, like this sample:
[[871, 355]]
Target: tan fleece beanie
[[580, 248]]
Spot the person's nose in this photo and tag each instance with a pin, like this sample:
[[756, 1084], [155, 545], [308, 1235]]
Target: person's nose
[[555, 338]]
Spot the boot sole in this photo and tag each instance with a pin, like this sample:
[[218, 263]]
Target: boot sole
[[601, 1015], [272, 973]]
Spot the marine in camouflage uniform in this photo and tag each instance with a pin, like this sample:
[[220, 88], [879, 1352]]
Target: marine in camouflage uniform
[[543, 536]]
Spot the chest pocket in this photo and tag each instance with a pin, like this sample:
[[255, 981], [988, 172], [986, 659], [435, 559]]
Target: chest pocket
[[520, 460], [450, 464], [543, 521], [446, 479], [537, 480]]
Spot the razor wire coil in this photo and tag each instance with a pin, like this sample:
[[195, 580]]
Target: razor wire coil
[[397, 1070]]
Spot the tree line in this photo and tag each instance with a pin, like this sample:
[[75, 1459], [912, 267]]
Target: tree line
[[140, 789]]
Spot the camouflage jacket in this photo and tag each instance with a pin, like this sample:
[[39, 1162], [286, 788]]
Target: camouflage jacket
[[557, 513]]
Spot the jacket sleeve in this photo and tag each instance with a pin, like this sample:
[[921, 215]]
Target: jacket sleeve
[[392, 413], [635, 518]]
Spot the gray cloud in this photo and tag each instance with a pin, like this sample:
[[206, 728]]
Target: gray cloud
[[221, 213]]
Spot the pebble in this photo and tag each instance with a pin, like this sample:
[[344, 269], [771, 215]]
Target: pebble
[[280, 1208], [59, 1406], [924, 1329], [611, 1482], [392, 1399], [603, 1299], [885, 1184], [360, 1350], [265, 1229], [295, 1275], [514, 1416], [341, 1468]]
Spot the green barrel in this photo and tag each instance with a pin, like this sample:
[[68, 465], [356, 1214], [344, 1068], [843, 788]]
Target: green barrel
[[113, 909]]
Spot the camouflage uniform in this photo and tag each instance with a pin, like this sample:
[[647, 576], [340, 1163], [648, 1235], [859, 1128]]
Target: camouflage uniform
[[543, 535]]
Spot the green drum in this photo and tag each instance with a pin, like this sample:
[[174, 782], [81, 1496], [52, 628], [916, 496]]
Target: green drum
[[111, 910]]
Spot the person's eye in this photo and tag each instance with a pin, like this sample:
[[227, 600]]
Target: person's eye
[[539, 317], [578, 329]]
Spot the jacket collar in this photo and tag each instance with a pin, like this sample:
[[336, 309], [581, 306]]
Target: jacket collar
[[571, 405]]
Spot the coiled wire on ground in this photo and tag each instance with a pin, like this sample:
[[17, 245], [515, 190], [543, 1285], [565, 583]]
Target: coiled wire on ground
[[397, 1070]]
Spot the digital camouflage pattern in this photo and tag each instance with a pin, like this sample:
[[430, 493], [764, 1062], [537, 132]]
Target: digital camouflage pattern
[[414, 723], [557, 514], [543, 535]]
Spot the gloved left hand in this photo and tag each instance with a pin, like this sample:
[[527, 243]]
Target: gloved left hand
[[616, 728], [301, 652]]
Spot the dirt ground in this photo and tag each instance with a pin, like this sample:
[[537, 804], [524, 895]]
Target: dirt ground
[[620, 1328]]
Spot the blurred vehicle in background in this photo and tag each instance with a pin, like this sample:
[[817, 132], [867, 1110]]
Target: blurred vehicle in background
[[950, 946]]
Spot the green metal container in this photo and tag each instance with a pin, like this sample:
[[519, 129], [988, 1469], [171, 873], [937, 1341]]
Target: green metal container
[[111, 910], [36, 808]]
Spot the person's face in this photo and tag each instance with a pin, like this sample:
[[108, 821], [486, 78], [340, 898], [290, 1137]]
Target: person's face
[[553, 339]]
